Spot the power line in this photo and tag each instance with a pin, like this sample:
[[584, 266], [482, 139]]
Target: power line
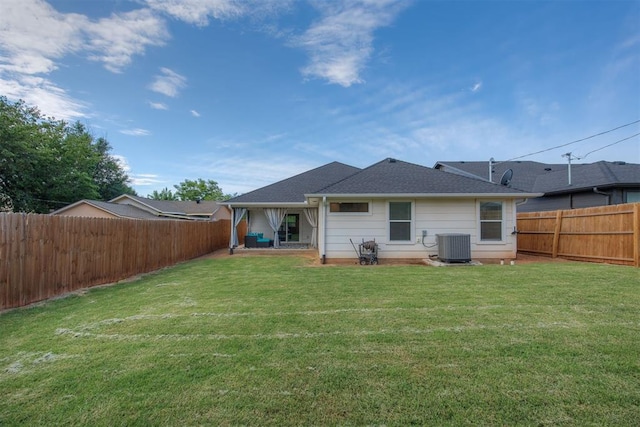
[[573, 142], [608, 145]]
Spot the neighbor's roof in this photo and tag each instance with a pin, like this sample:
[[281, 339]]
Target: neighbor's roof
[[587, 176], [551, 178], [293, 190], [121, 211], [395, 177], [187, 207], [524, 177]]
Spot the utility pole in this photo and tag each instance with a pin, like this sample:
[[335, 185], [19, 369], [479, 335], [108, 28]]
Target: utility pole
[[569, 158]]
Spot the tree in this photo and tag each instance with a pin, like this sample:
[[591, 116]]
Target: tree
[[200, 190], [47, 163], [24, 156], [108, 174], [164, 194]]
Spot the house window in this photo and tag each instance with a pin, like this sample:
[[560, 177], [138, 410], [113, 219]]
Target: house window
[[491, 221], [633, 196], [349, 207], [400, 221]]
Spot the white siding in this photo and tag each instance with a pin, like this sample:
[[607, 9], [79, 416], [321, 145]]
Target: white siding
[[436, 216]]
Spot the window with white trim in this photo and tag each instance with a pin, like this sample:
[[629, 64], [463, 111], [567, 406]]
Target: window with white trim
[[491, 221], [349, 207], [400, 221]]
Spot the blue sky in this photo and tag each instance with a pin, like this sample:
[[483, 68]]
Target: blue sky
[[250, 92]]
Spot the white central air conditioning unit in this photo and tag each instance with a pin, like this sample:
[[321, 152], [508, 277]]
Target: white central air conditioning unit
[[454, 247]]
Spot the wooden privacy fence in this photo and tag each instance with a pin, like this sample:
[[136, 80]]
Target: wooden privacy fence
[[600, 234], [42, 256]]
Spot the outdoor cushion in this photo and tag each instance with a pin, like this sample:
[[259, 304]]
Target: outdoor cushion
[[264, 243]]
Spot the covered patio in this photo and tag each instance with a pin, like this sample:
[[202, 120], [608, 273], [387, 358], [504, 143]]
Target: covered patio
[[291, 228]]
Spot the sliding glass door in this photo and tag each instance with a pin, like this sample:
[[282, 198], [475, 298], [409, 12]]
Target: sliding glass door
[[290, 228]]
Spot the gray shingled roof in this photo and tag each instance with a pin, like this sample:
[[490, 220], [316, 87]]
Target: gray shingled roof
[[525, 173], [293, 190], [551, 178], [186, 207], [600, 174], [392, 176]]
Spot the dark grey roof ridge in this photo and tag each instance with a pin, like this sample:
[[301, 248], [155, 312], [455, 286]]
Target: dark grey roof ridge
[[293, 189], [353, 174]]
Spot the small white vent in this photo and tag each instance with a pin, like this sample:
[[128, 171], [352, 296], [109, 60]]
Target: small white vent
[[454, 247]]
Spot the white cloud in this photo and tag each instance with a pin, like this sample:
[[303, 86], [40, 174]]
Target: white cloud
[[168, 83], [143, 179], [158, 105], [136, 132], [50, 99], [115, 40], [341, 42], [122, 161], [476, 87], [197, 12], [34, 37], [194, 113]]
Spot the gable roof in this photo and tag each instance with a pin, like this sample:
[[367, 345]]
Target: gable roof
[[173, 207], [551, 178], [116, 209], [292, 190], [395, 177]]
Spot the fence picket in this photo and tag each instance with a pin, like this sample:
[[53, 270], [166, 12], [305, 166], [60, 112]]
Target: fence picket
[[601, 234], [42, 256]]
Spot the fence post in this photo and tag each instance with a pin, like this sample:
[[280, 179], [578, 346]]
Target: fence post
[[556, 234], [636, 234]]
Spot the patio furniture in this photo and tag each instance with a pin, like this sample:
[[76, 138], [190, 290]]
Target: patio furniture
[[257, 240]]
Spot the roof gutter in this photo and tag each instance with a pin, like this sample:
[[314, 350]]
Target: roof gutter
[[431, 195], [268, 204]]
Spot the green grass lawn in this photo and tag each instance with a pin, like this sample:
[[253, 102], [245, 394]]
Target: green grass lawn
[[277, 341]]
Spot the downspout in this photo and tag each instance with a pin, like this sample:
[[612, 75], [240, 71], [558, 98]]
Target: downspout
[[233, 219], [595, 190], [323, 216]]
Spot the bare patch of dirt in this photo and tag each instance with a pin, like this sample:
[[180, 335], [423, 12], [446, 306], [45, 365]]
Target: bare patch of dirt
[[316, 261]]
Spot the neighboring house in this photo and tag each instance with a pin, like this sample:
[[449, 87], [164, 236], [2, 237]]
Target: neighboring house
[[126, 206], [99, 209], [591, 184], [203, 209], [400, 205]]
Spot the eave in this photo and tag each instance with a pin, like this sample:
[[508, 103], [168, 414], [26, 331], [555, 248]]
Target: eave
[[292, 205], [426, 195]]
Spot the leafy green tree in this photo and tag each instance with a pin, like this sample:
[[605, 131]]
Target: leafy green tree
[[200, 190], [108, 173], [47, 163], [164, 194], [25, 155]]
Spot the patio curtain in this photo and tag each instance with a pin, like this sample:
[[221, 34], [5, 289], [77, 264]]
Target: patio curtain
[[275, 217], [312, 217], [238, 213]]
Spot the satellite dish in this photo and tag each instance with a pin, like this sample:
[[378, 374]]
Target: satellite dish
[[506, 177]]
